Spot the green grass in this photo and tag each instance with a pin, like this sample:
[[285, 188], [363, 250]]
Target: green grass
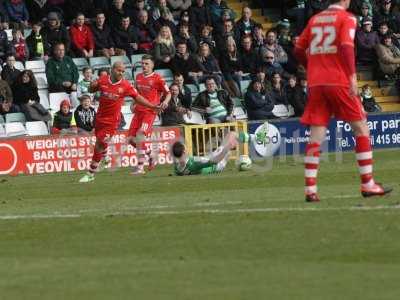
[[236, 235]]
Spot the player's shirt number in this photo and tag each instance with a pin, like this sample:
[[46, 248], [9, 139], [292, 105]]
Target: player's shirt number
[[322, 40]]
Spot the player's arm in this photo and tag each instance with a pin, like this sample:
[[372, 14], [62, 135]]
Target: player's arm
[[166, 94], [143, 101], [346, 52]]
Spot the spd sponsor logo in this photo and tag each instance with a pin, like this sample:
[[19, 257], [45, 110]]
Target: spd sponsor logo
[[266, 140]]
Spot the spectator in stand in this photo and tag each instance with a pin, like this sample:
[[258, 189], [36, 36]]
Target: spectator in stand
[[210, 64], [277, 93], [145, 32], [178, 6], [273, 46], [4, 19], [173, 114], [364, 12], [299, 99], [368, 100], [292, 64], [84, 84], [270, 66], [388, 56], [102, 5], [231, 66], [297, 12], [17, 12], [290, 87], [116, 14], [135, 9], [6, 47], [245, 25], [187, 64], [284, 37], [185, 94], [64, 121], [7, 107], [258, 38], [126, 41], [164, 48], [357, 6], [9, 72], [53, 33], [62, 73], [258, 105], [85, 115], [20, 46], [227, 32], [5, 91], [25, 92], [386, 14], [82, 42], [35, 42], [103, 41], [157, 8], [165, 19], [217, 8], [199, 16], [185, 36], [217, 104], [83, 6], [366, 41], [206, 37], [261, 76], [315, 6], [249, 56]]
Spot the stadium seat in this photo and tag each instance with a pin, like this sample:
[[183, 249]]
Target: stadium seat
[[2, 131], [193, 88], [283, 111], [244, 84], [15, 129], [1, 120], [27, 32], [196, 118], [128, 120], [36, 66], [157, 121], [55, 100], [19, 65], [15, 117], [99, 62], [166, 73], [202, 87], [41, 80], [239, 113], [80, 62], [44, 98], [136, 59], [36, 128], [123, 58], [128, 74]]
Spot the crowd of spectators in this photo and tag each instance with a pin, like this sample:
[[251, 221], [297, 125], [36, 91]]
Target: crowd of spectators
[[200, 41]]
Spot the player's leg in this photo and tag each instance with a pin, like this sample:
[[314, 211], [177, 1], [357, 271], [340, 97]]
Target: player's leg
[[317, 115], [364, 155], [349, 108], [144, 154]]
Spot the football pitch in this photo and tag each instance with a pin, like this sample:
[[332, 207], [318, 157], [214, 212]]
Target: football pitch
[[235, 235]]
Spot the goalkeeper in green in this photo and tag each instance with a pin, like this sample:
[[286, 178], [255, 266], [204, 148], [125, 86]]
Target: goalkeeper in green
[[213, 163]]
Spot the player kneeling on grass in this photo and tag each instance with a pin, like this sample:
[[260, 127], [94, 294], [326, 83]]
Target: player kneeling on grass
[[185, 164], [113, 89]]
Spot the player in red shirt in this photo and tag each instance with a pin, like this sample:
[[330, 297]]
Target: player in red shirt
[[113, 89], [153, 87], [326, 49]]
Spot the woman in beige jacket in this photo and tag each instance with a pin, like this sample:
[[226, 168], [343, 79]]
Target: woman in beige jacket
[[388, 56]]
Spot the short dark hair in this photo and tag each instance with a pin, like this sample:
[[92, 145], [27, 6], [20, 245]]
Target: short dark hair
[[148, 56], [178, 75], [177, 149]]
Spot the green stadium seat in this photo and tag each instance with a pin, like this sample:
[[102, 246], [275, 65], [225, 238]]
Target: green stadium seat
[[99, 62], [15, 117], [80, 63], [123, 58]]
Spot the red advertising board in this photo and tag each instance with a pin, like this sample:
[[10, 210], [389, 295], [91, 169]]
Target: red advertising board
[[66, 153]]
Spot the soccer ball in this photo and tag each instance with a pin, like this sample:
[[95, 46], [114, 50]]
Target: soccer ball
[[243, 163]]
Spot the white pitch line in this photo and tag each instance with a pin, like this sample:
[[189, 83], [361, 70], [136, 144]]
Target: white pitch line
[[204, 211]]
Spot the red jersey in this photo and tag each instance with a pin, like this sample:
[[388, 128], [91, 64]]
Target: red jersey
[[111, 99], [321, 39], [151, 87]]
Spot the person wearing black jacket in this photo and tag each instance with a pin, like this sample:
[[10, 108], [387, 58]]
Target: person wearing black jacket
[[245, 25], [85, 115], [187, 64], [9, 72], [173, 114], [199, 15], [53, 33], [103, 41], [117, 12], [35, 42], [145, 32], [125, 37], [249, 56], [258, 105], [184, 35], [185, 94], [25, 92], [277, 92]]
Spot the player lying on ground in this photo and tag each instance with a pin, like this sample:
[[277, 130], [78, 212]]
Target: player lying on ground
[[326, 49], [113, 89], [211, 164]]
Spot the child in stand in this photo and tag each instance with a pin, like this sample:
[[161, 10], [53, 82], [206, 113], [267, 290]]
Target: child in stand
[[84, 84], [20, 46], [64, 121], [368, 100]]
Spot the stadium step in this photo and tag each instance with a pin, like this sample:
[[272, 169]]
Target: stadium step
[[365, 75], [388, 99], [371, 83], [384, 91], [390, 107]]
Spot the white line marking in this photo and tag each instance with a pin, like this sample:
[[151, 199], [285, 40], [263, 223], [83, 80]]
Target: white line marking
[[204, 211]]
